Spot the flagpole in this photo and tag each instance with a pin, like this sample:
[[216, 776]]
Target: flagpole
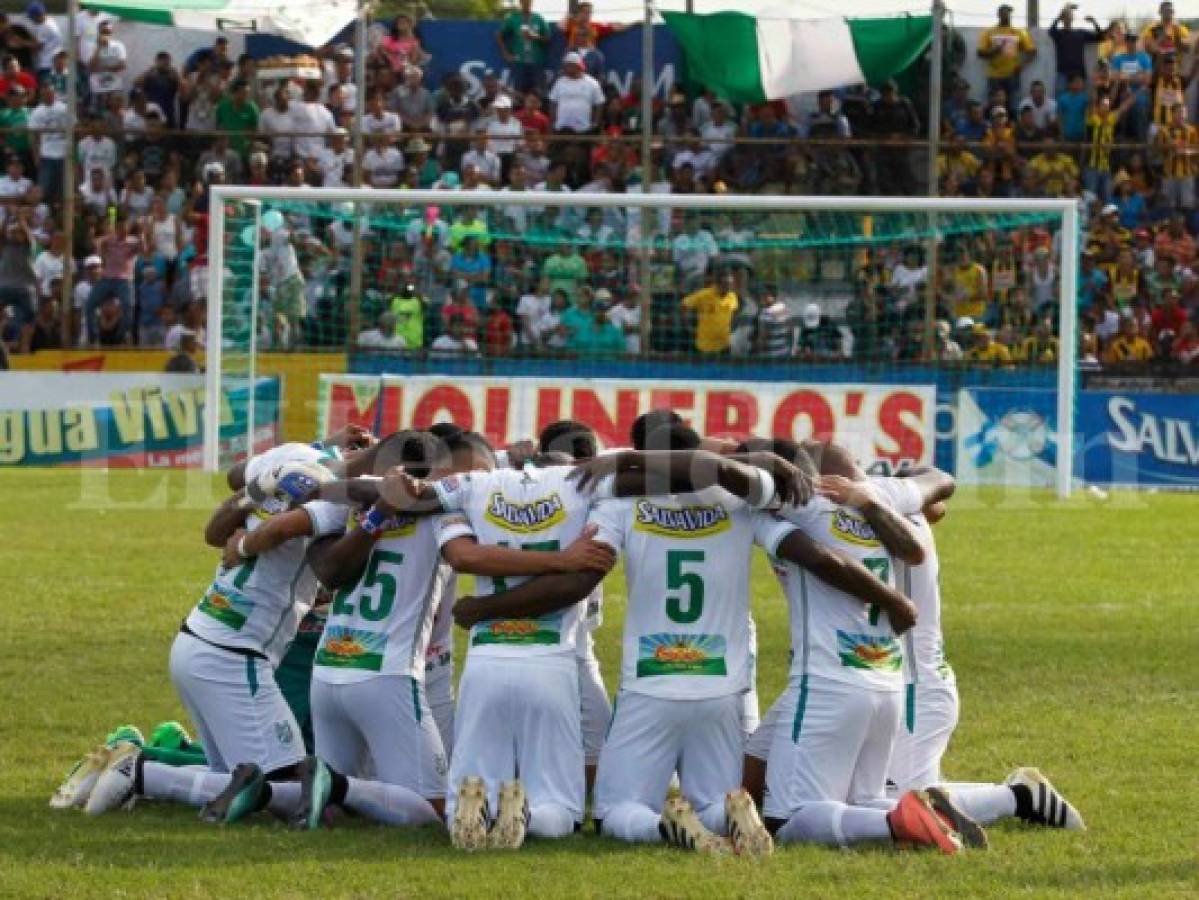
[[67, 302], [647, 166], [357, 256], [934, 147]]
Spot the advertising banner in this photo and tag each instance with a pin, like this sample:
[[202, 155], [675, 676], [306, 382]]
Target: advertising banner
[[892, 424], [129, 419], [1009, 436]]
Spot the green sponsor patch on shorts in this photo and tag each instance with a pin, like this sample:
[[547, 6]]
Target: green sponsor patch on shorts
[[681, 654], [349, 648], [544, 630], [869, 651]]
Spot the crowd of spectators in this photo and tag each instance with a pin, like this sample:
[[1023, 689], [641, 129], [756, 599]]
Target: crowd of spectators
[[501, 279]]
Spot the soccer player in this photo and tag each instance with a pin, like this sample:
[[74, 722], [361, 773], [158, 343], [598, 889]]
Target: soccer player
[[686, 659], [932, 707], [826, 778], [518, 705], [223, 660]]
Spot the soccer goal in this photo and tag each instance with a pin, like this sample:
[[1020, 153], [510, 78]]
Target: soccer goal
[[867, 319]]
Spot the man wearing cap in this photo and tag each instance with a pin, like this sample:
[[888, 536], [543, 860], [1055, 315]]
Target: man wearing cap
[[1132, 70], [1007, 50], [524, 39], [505, 132], [575, 99], [106, 66], [47, 39]]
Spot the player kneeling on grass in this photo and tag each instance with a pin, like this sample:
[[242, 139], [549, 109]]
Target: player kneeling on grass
[[223, 660]]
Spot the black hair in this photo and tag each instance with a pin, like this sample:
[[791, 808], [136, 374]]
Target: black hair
[[417, 451], [792, 451], [674, 436], [445, 430], [470, 441], [649, 421], [570, 437]]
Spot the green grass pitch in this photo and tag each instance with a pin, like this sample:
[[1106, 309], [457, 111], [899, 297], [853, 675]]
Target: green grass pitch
[[1071, 626]]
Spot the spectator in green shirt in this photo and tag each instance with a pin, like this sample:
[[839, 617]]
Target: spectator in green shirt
[[524, 39], [237, 112], [600, 338], [469, 224], [409, 311], [15, 114], [566, 270]]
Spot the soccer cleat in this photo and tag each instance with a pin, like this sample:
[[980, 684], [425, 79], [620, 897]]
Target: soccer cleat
[[316, 783], [749, 836], [512, 818], [1050, 808], [125, 733], [914, 821], [80, 781], [681, 827], [468, 831], [971, 833], [242, 796], [170, 736], [114, 787]]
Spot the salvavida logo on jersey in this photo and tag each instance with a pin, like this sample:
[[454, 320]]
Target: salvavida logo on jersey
[[869, 651], [850, 527], [228, 607], [681, 654], [351, 648], [525, 518], [681, 522]]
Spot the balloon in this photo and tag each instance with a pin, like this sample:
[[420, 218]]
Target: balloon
[[273, 220], [247, 235]]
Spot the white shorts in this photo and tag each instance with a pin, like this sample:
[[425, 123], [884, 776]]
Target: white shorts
[[759, 741], [384, 719], [239, 713], [832, 741], [930, 717], [439, 693], [652, 737], [520, 716], [596, 708]]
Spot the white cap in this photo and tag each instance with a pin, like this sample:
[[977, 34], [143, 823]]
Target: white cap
[[572, 57], [213, 167], [964, 322], [1110, 209], [503, 101], [93, 260], [811, 315]]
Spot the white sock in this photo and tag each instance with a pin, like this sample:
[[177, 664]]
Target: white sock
[[390, 804], [714, 818], [984, 803], [193, 786], [836, 824], [285, 798], [634, 822], [549, 820]]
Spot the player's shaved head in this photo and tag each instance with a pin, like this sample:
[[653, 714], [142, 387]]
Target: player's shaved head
[[675, 436], [419, 452], [576, 440], [792, 451], [470, 451], [649, 421], [833, 459]]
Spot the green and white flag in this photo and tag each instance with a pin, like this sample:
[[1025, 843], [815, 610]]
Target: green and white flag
[[748, 59], [312, 23]]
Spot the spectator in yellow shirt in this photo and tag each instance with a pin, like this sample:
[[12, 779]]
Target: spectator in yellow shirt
[[970, 286], [955, 163], [987, 349], [1007, 50], [999, 145], [1128, 345], [1165, 36], [1179, 144], [1056, 169], [714, 307], [1039, 347]]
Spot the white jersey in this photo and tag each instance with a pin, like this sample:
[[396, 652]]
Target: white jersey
[[439, 653], [687, 560], [258, 605], [381, 624], [533, 509], [925, 643], [836, 636]]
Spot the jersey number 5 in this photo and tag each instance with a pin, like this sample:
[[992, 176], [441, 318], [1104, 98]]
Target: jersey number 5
[[684, 610], [372, 609]]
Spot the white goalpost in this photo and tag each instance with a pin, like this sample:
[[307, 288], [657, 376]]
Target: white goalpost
[[1066, 211]]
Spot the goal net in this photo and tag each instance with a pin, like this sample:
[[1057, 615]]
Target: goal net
[[887, 323]]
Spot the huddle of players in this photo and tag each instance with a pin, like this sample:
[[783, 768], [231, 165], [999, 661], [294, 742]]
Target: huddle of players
[[850, 752]]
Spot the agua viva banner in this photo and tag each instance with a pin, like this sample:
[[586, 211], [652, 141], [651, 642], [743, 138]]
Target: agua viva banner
[[135, 419], [892, 424]]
